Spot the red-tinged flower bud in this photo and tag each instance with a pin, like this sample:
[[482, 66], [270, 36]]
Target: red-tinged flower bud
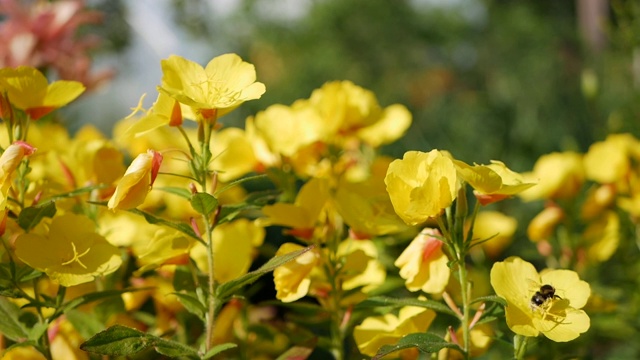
[[11, 158], [176, 115], [137, 181]]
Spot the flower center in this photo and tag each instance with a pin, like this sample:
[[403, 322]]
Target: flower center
[[76, 256]]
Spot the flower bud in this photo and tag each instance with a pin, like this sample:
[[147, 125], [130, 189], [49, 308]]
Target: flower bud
[[136, 182]]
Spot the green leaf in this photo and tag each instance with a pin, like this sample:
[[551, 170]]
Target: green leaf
[[218, 349], [299, 352], [152, 219], [229, 288], [91, 297], [87, 324], [240, 181], [204, 203], [76, 192], [36, 331], [26, 273], [118, 340], [425, 342], [182, 192], [30, 217], [490, 298], [387, 301], [10, 326], [192, 304]]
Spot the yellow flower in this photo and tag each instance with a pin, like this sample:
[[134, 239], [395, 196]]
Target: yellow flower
[[348, 110], [609, 161], [303, 214], [544, 224], [557, 316], [361, 265], [492, 182], [165, 111], [377, 331], [286, 129], [137, 181], [421, 185], [559, 176], [72, 253], [602, 236], [293, 279], [164, 246], [497, 226], [423, 264], [233, 154], [9, 162], [234, 245], [366, 208], [29, 90], [221, 86]]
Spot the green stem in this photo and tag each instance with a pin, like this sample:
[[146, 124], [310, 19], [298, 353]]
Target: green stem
[[464, 293], [212, 299], [519, 346]]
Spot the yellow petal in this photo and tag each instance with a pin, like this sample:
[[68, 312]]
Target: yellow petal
[[509, 279], [62, 92], [568, 286], [575, 323], [394, 122]]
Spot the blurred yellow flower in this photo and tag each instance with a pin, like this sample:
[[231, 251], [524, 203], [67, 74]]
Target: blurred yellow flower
[[421, 185], [492, 182], [376, 331], [543, 225], [72, 253], [29, 90], [164, 246], [233, 154], [293, 279], [303, 214], [234, 244], [361, 265], [366, 208], [559, 176], [423, 264], [137, 181], [286, 129], [609, 161], [221, 86], [557, 316], [497, 227], [602, 236]]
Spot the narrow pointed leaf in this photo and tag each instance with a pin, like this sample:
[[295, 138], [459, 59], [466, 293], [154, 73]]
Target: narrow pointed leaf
[[173, 349], [218, 349], [240, 181], [10, 326], [425, 342], [490, 298], [76, 192], [227, 289], [152, 219], [389, 301], [204, 203], [182, 192], [192, 304], [31, 216], [299, 352], [87, 324]]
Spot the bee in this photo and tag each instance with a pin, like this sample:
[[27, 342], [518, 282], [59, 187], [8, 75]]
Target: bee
[[541, 296]]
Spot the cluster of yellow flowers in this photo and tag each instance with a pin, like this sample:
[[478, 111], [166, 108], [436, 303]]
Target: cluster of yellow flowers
[[73, 212]]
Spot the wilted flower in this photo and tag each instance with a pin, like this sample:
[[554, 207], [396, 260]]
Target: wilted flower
[[557, 315], [377, 331], [72, 253], [137, 181], [421, 185], [423, 264], [221, 86]]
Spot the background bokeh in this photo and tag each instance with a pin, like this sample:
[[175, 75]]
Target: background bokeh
[[485, 79]]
